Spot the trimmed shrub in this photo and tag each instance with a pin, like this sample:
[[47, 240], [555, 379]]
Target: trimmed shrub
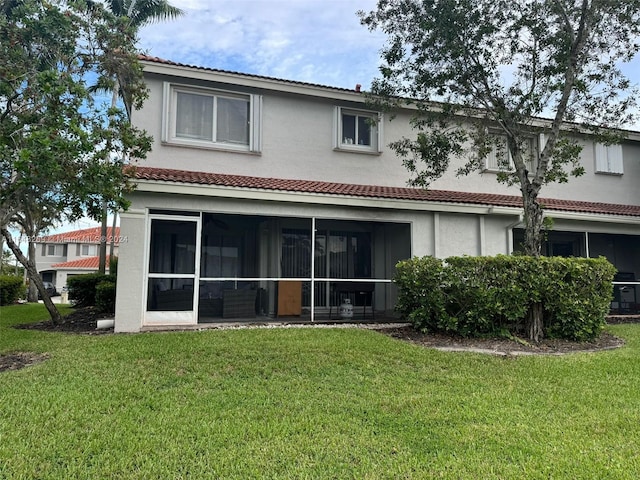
[[106, 296], [475, 296], [10, 289], [82, 288]]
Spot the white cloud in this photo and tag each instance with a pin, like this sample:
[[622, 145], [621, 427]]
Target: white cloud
[[306, 40]]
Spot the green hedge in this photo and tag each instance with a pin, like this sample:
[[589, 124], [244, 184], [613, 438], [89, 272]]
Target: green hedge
[[106, 295], [475, 296], [82, 288], [10, 289]]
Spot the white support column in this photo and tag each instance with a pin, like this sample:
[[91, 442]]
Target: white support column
[[313, 267], [586, 245]]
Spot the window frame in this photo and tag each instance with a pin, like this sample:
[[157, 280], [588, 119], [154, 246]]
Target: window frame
[[376, 131], [613, 161], [534, 148], [57, 247], [88, 254], [169, 118]]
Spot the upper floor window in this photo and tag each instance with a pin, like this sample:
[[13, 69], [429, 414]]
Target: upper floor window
[[357, 131], [500, 159], [87, 250], [53, 250], [609, 159], [211, 118]]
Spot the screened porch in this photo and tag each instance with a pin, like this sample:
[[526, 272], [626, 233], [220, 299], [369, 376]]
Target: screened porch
[[211, 267]]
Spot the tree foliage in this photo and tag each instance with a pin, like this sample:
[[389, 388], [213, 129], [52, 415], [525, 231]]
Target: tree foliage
[[134, 14], [475, 68], [57, 137]]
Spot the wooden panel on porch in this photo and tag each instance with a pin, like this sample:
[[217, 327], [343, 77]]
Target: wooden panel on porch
[[289, 298]]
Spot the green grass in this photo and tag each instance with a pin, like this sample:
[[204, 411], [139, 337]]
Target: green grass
[[310, 403]]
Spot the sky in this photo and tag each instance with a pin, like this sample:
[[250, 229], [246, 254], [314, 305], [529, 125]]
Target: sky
[[315, 41]]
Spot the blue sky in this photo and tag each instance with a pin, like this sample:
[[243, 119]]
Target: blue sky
[[316, 41]]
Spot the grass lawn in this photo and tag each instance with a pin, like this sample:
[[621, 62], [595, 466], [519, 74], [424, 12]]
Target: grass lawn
[[310, 403]]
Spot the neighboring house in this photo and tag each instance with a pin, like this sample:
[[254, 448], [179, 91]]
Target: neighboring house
[[64, 255], [270, 198]]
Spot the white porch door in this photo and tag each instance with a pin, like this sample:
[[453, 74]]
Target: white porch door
[[172, 287]]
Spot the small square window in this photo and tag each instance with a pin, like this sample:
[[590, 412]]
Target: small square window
[[88, 250], [54, 250], [357, 131]]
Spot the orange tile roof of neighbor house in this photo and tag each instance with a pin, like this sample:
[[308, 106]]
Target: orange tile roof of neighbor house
[[87, 235], [375, 191], [86, 263]]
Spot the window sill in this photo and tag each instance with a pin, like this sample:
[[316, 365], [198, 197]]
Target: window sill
[[497, 170], [356, 149], [210, 146], [611, 174]]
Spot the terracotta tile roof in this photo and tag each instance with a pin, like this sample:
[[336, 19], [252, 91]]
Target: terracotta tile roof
[[86, 263], [87, 235], [149, 58], [375, 191]]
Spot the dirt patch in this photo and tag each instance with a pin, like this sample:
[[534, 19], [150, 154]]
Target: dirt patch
[[502, 346], [81, 320], [18, 360]]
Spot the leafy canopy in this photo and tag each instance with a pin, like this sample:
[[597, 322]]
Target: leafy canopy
[[57, 138], [476, 68], [56, 135]]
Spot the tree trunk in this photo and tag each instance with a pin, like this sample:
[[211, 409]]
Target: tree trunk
[[32, 293], [31, 270], [533, 238], [533, 220], [535, 322]]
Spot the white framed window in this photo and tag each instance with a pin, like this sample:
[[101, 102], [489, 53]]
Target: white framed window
[[208, 118], [87, 250], [357, 130], [54, 250], [499, 158], [609, 159]]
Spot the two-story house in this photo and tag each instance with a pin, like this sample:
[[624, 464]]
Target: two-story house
[[267, 198], [64, 255]]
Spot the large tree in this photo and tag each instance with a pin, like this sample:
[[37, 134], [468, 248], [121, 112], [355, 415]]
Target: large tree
[[476, 68], [56, 136], [135, 14]]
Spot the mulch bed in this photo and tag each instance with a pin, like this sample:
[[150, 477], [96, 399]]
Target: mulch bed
[[18, 360], [81, 320], [502, 346]]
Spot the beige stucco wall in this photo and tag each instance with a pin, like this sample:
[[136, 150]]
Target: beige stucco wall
[[297, 143]]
